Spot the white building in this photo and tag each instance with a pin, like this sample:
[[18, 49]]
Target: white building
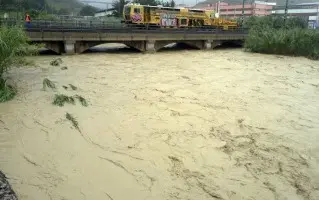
[[105, 12]]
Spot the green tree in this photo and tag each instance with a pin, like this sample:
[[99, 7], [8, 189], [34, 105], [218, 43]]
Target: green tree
[[118, 7], [172, 3], [63, 11], [13, 48], [274, 35], [33, 4], [88, 11], [168, 3]]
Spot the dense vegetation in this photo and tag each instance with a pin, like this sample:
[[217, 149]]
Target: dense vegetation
[[36, 7], [13, 48], [46, 9], [88, 11], [274, 35]]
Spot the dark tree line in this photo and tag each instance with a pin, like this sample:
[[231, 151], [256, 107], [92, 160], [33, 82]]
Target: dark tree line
[[32, 6], [88, 11], [23, 4], [35, 7]]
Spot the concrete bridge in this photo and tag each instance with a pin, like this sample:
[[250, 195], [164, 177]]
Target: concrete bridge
[[73, 41]]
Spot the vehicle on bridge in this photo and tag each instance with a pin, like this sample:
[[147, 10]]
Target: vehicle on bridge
[[168, 17]]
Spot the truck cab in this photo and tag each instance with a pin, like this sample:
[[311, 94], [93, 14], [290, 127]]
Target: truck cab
[[133, 13]]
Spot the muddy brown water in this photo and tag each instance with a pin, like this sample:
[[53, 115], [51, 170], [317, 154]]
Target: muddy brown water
[[221, 124]]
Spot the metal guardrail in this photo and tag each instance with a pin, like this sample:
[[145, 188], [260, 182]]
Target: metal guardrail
[[104, 26]]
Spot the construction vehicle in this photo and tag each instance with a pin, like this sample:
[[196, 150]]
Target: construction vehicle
[[168, 17]]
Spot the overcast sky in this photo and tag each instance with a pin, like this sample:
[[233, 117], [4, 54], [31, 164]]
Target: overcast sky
[[103, 6]]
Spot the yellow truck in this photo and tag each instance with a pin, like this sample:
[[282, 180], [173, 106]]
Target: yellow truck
[[168, 17]]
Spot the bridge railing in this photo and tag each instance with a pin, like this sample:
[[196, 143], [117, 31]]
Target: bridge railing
[[105, 26]]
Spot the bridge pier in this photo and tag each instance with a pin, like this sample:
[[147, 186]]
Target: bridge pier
[[211, 44], [207, 44], [216, 43], [139, 45], [57, 47], [150, 46], [69, 47]]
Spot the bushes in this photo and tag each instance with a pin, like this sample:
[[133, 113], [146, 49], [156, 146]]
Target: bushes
[[276, 22], [7, 92], [13, 47], [300, 42], [271, 35]]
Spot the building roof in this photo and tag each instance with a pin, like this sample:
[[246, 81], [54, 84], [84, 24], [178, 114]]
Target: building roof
[[105, 10], [312, 3]]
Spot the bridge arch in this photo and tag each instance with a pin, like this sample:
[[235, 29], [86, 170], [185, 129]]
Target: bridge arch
[[55, 46], [71, 47]]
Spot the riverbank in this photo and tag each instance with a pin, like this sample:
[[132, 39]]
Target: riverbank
[[275, 35], [221, 124]]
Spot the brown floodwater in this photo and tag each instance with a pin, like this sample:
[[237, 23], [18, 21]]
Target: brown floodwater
[[177, 124]]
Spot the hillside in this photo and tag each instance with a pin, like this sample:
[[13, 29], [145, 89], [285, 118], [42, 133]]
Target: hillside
[[66, 4], [279, 2], [51, 6]]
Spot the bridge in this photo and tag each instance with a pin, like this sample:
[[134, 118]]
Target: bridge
[[74, 38]]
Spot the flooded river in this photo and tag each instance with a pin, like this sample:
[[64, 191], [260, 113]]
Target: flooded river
[[190, 125]]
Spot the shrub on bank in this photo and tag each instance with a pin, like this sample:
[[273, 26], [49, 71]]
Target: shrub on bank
[[276, 22], [299, 42], [272, 35], [13, 49]]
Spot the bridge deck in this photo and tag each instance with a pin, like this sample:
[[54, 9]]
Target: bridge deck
[[76, 37]]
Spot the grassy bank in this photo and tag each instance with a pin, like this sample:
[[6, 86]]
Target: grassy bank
[[14, 47], [272, 35]]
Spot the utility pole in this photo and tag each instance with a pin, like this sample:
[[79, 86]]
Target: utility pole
[[317, 21], [286, 11], [243, 12]]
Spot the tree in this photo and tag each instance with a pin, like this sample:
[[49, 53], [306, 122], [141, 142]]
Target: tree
[[172, 3], [118, 7], [14, 46], [34, 4], [88, 11], [63, 11]]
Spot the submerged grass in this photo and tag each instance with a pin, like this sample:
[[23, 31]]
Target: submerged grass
[[82, 100], [7, 92], [73, 87], [56, 62], [48, 83], [73, 121], [61, 99]]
